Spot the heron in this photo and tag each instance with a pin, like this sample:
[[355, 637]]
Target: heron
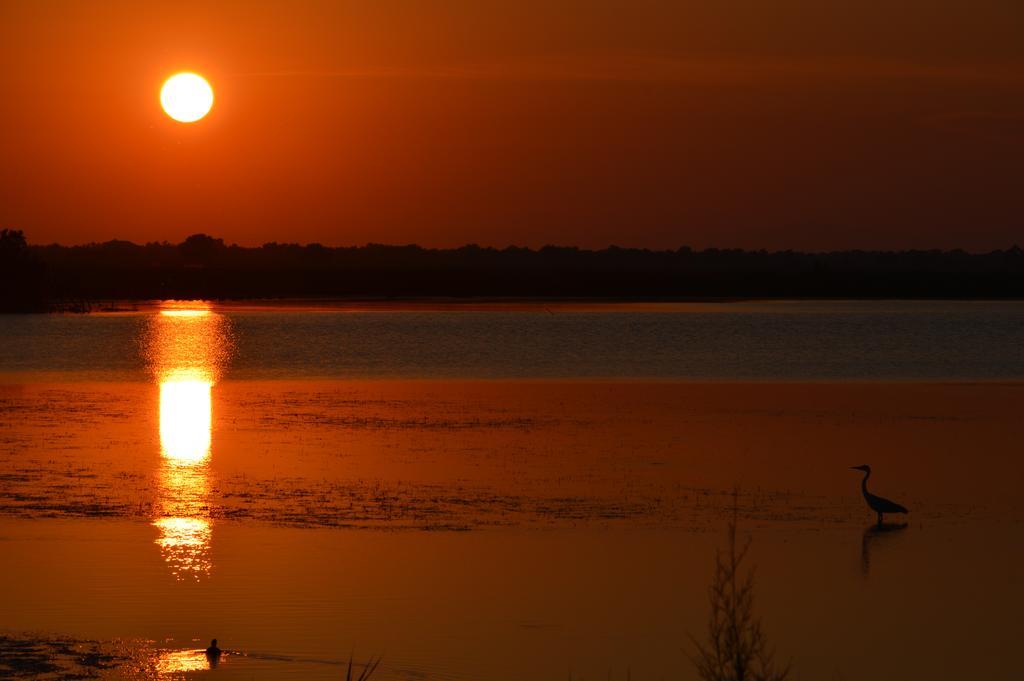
[[879, 505]]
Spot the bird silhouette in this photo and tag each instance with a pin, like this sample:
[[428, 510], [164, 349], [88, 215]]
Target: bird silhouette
[[877, 504]]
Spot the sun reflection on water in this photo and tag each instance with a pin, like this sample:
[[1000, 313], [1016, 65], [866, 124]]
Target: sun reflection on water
[[185, 419], [179, 661], [187, 345], [186, 529]]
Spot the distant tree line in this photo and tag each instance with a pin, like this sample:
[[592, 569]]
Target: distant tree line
[[22, 275], [37, 277]]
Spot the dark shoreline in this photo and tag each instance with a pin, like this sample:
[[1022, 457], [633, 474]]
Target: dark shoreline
[[80, 278]]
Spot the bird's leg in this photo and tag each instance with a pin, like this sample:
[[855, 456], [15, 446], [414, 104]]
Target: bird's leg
[[879, 519]]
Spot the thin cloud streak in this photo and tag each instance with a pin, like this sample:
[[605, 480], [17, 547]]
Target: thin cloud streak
[[670, 69]]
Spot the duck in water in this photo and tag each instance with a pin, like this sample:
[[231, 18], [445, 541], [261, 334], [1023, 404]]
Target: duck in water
[[213, 653]]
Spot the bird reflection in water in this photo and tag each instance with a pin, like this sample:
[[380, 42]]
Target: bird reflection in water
[[877, 536], [187, 345]]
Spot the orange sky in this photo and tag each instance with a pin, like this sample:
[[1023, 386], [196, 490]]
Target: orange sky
[[794, 123]]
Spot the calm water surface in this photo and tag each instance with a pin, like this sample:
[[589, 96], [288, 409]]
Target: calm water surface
[[274, 478], [763, 341]]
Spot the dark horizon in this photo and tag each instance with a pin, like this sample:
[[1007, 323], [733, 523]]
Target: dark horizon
[[49, 277], [117, 242]]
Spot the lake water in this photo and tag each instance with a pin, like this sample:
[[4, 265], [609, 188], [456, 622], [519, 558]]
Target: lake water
[[740, 341], [509, 491]]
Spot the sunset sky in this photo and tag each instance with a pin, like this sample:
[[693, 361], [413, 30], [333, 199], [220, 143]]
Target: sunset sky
[[787, 124]]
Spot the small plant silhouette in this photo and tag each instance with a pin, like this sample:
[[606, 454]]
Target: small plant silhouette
[[368, 669], [737, 648]]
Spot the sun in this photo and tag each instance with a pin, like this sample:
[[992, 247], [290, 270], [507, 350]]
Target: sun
[[186, 97]]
